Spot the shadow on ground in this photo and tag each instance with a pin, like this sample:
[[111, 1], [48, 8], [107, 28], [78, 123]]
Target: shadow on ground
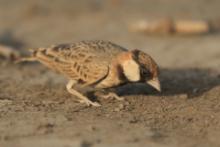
[[190, 81]]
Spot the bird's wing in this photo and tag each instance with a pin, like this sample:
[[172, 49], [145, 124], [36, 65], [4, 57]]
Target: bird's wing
[[77, 62]]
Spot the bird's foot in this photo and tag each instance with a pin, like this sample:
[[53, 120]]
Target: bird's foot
[[112, 95], [89, 103], [82, 98]]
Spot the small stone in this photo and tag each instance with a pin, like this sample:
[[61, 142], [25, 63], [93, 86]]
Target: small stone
[[127, 103], [92, 128], [117, 110], [121, 106], [183, 96]]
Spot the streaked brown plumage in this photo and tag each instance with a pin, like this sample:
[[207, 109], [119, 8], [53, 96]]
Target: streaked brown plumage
[[99, 64]]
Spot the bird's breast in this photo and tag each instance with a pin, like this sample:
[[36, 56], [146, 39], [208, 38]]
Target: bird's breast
[[113, 79]]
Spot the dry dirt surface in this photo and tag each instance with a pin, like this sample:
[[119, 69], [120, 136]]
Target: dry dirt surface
[[37, 111]]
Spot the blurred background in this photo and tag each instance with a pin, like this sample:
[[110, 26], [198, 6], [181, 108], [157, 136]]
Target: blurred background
[[37, 23]]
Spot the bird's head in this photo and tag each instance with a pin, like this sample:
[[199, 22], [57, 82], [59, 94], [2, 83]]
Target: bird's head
[[149, 70], [139, 66]]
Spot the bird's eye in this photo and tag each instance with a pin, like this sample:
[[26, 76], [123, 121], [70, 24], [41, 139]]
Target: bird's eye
[[145, 73]]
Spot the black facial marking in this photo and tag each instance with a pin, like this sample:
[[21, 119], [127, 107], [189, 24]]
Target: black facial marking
[[121, 73]]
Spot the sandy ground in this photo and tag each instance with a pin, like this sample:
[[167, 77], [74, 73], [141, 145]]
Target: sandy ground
[[36, 110]]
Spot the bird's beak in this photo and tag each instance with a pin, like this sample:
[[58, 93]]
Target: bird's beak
[[155, 83]]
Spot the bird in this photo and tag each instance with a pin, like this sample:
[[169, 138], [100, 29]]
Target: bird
[[98, 64]]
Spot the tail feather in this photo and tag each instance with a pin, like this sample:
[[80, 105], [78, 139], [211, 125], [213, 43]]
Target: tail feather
[[25, 59], [40, 54], [32, 57]]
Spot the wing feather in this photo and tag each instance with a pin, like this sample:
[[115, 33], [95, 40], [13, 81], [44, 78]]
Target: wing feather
[[76, 63]]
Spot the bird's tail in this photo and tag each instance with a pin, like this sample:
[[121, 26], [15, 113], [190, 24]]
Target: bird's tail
[[32, 57]]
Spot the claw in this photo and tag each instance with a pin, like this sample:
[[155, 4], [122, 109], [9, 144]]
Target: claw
[[90, 103], [113, 96], [83, 99], [96, 104]]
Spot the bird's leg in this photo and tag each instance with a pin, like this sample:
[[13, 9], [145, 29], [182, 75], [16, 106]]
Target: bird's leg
[[83, 99]]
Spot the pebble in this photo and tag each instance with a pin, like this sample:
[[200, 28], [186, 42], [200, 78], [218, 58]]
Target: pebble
[[119, 108], [183, 96], [126, 103], [92, 128]]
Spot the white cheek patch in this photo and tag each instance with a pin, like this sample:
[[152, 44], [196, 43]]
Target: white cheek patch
[[131, 70]]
